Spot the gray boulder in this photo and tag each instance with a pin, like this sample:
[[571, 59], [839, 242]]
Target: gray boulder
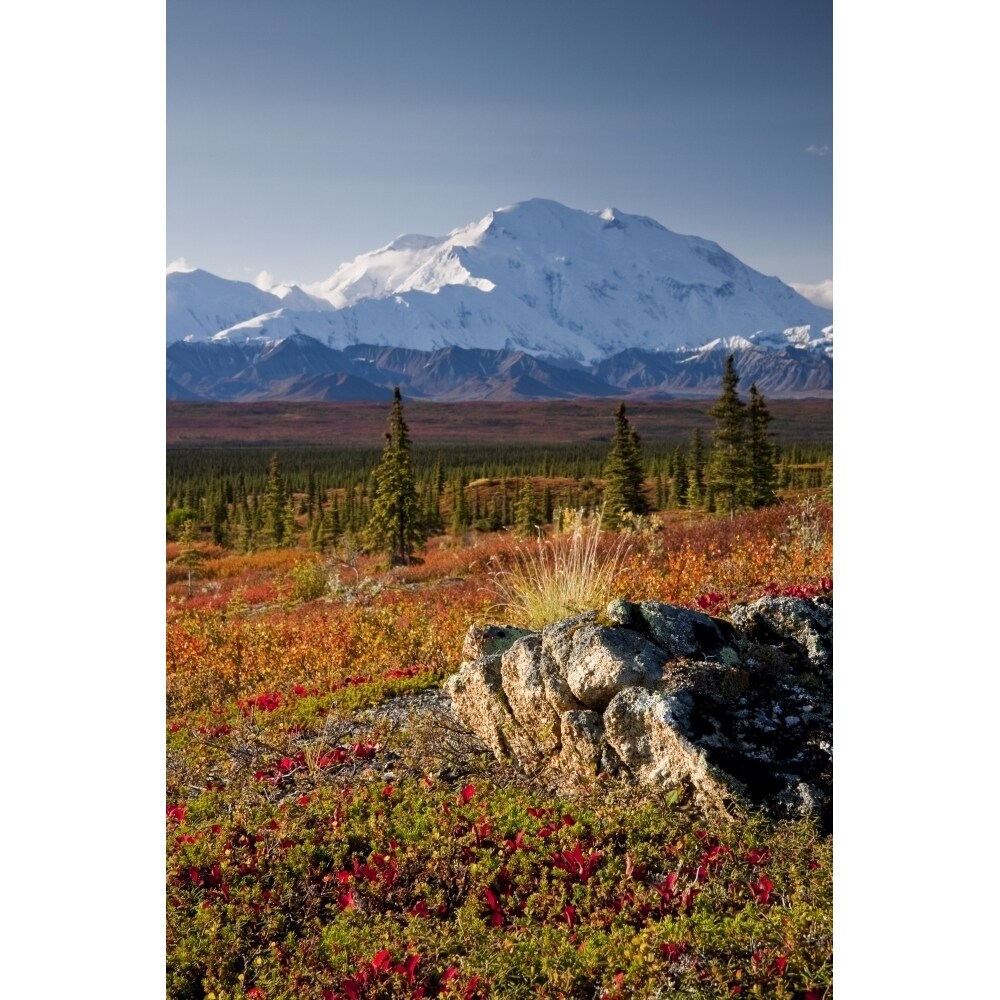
[[736, 713], [800, 628]]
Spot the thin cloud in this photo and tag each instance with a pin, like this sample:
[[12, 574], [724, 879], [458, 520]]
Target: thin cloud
[[178, 265], [264, 281], [817, 150], [820, 294]]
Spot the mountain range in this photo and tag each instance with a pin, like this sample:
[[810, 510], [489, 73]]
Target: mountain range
[[533, 301]]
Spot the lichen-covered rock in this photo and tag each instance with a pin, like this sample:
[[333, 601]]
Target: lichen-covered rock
[[582, 739], [603, 661], [801, 628], [557, 638], [646, 730], [557, 690], [735, 712], [680, 631], [485, 640], [477, 695], [523, 684]]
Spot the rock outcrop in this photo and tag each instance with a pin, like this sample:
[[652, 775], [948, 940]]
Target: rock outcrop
[[736, 712]]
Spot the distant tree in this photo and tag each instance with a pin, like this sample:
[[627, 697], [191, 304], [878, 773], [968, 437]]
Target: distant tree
[[246, 532], [316, 540], [679, 483], [696, 471], [760, 453], [661, 492], [728, 469], [220, 522], [332, 520], [526, 511], [289, 525], [190, 557], [461, 515], [827, 481], [430, 504], [394, 523], [310, 498], [274, 522], [623, 475]]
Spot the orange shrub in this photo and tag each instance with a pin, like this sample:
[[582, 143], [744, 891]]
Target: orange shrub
[[219, 650]]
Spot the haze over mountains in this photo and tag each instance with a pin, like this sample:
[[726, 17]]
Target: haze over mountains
[[533, 301]]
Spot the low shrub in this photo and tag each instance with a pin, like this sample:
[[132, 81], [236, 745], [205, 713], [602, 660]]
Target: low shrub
[[310, 581]]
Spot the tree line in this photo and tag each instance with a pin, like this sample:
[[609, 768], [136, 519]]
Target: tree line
[[392, 501]]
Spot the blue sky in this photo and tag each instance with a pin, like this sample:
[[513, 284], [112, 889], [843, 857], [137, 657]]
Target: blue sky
[[303, 133]]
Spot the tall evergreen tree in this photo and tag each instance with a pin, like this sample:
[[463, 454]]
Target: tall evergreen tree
[[547, 504], [273, 522], [728, 470], [220, 521], [526, 512], [461, 515], [760, 453], [394, 523], [430, 507], [623, 475], [290, 526], [679, 482], [696, 471]]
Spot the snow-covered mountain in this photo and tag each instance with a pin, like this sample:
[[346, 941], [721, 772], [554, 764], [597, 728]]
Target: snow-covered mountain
[[200, 304], [537, 276]]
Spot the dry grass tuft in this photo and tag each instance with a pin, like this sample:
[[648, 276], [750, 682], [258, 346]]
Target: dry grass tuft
[[555, 578]]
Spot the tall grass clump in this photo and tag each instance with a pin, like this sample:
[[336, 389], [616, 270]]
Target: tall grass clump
[[577, 570]]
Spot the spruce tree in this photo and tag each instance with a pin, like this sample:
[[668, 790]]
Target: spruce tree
[[623, 475], [696, 477], [430, 507], [461, 515], [526, 512], [245, 529], [728, 472], [760, 453], [220, 522], [273, 504], [394, 523], [679, 482], [289, 525], [547, 504], [190, 557]]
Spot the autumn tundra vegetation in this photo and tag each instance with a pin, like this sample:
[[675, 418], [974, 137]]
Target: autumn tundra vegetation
[[332, 831]]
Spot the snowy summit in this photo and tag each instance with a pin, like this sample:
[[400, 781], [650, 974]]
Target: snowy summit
[[535, 276]]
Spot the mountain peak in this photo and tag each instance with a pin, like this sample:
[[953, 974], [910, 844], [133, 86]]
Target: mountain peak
[[540, 277]]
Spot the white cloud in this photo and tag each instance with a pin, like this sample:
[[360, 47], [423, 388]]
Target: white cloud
[[264, 281], [178, 265], [820, 294], [817, 150]]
